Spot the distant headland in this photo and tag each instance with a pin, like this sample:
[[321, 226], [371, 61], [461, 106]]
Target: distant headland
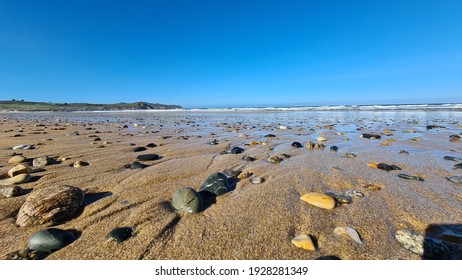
[[21, 105]]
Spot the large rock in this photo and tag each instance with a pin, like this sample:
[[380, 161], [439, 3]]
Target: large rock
[[427, 248], [50, 239], [41, 161], [17, 159], [18, 169], [50, 205], [18, 179], [217, 183], [11, 191], [187, 200]]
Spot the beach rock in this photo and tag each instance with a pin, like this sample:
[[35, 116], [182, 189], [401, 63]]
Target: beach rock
[[216, 183], [247, 158], [22, 147], [457, 166], [256, 180], [351, 232], [41, 161], [232, 173], [213, 142], [147, 157], [310, 145], [354, 193], [138, 149], [387, 167], [120, 234], [80, 163], [18, 169], [270, 135], [26, 254], [11, 191], [304, 242], [409, 177], [50, 240], [296, 145], [340, 198], [455, 179], [435, 126], [451, 158], [17, 159], [403, 152], [333, 148], [235, 150], [245, 174], [321, 139], [187, 200], [425, 247], [18, 179], [348, 155], [274, 159], [137, 165], [50, 205], [370, 136], [372, 187], [319, 200], [151, 145]]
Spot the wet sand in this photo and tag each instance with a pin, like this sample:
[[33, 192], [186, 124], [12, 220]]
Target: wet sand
[[253, 221]]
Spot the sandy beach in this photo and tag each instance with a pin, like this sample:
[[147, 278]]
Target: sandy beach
[[251, 221]]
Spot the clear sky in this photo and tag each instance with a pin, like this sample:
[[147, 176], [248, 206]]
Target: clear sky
[[232, 53]]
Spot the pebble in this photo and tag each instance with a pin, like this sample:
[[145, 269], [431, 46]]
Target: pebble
[[80, 164], [319, 200], [333, 148], [388, 167], [410, 177], [18, 179], [41, 161], [216, 183], [244, 175], [18, 169], [274, 159], [269, 135], [372, 187], [310, 145], [404, 152], [351, 232], [321, 139], [26, 254], [341, 199], [370, 136], [120, 234], [256, 180], [457, 166], [435, 126], [147, 157], [425, 247], [187, 200], [50, 240], [296, 145], [151, 145], [22, 147], [17, 159], [451, 158], [247, 158], [304, 242], [455, 179], [354, 193], [348, 155], [235, 150], [11, 191], [50, 205], [213, 142], [138, 149], [232, 173]]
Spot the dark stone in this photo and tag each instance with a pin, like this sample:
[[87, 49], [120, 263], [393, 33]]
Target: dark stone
[[246, 158], [151, 145], [270, 135], [458, 166], [435, 126], [232, 173], [348, 155], [404, 152], [235, 150], [455, 179], [370, 136], [187, 200], [120, 234], [137, 165], [50, 240], [409, 177], [217, 183], [297, 145], [139, 149], [147, 157], [451, 158], [334, 148], [387, 167]]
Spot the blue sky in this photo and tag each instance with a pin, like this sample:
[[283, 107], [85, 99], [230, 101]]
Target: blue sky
[[232, 53]]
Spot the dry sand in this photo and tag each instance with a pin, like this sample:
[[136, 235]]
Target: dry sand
[[254, 221]]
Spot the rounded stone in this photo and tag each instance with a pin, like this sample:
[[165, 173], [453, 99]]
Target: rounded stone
[[151, 145], [187, 200], [319, 200], [17, 159], [334, 148], [138, 149], [304, 242], [50, 205], [236, 150], [41, 161], [137, 165], [80, 164], [11, 191], [50, 240], [18, 169], [296, 145], [18, 179], [216, 183], [120, 234], [147, 157]]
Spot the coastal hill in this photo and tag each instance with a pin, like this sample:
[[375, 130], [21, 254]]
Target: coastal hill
[[21, 105]]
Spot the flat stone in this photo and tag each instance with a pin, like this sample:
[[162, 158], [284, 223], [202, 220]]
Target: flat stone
[[18, 169], [22, 147], [50, 205], [256, 180], [410, 177], [235, 150], [11, 191], [187, 200], [21, 178], [455, 179], [50, 240], [351, 232], [319, 200], [297, 145], [321, 139], [348, 155], [41, 161], [274, 159], [425, 247], [138, 149], [151, 145], [80, 163], [304, 242], [137, 165], [216, 183], [370, 136], [333, 148], [147, 157], [120, 234], [17, 159]]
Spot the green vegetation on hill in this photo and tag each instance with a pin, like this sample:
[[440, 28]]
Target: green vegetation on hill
[[16, 105]]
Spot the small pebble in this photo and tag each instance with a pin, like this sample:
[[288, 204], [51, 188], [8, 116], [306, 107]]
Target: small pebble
[[120, 234]]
